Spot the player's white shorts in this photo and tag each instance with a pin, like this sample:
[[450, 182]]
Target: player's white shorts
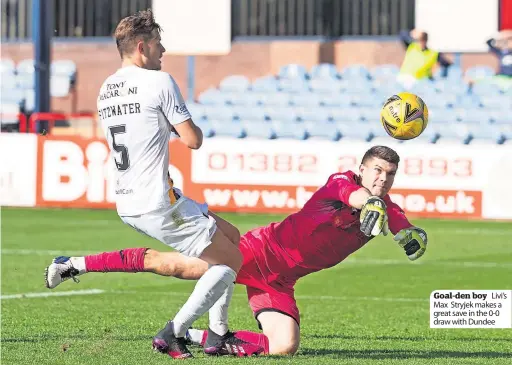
[[184, 226]]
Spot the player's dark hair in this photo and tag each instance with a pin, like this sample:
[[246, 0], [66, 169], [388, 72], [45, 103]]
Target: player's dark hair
[[382, 152], [133, 28]]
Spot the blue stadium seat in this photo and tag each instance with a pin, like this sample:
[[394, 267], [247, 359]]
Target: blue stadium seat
[[25, 66], [323, 86], [335, 100], [293, 71], [29, 100], [260, 129], [275, 99], [355, 72], [252, 113], [284, 114], [60, 86], [235, 83], [442, 116], [293, 85], [196, 111], [497, 102], [486, 134], [26, 81], [223, 129], [265, 84], [242, 98], [212, 97], [312, 114], [322, 130], [325, 71], [366, 101], [468, 101], [289, 130], [455, 133], [450, 86], [13, 96], [308, 99], [370, 115], [345, 115], [476, 73], [206, 127], [385, 72], [502, 117], [8, 82], [64, 68], [363, 87], [8, 114], [357, 132], [7, 67], [485, 89], [473, 115], [219, 113]]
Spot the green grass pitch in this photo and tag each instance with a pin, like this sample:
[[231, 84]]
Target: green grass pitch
[[371, 309]]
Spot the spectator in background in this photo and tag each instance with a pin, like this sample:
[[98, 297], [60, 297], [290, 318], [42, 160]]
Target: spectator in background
[[419, 59], [501, 46]]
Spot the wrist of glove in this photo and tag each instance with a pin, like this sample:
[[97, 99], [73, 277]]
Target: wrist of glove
[[373, 217], [413, 241]]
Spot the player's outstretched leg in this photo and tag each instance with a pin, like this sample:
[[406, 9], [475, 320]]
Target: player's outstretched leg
[[64, 268]]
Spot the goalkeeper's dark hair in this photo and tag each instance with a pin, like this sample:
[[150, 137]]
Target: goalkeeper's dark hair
[[133, 28], [382, 152]]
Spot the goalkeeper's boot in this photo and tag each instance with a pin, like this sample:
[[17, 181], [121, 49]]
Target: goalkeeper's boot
[[230, 344], [167, 343], [60, 270]]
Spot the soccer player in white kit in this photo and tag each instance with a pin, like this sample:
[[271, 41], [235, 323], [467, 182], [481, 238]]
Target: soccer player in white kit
[[139, 107]]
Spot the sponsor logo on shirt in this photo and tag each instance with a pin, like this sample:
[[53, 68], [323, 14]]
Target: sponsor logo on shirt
[[181, 109]]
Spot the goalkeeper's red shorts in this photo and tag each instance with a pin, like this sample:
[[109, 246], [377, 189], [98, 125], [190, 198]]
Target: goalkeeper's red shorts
[[264, 296]]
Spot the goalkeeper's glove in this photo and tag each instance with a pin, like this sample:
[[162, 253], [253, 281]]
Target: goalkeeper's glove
[[373, 217], [414, 242]]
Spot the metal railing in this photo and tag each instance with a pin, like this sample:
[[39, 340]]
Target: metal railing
[[71, 18], [328, 18]]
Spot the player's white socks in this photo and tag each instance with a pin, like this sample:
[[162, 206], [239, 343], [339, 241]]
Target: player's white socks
[[196, 336], [208, 290], [219, 312], [79, 264]]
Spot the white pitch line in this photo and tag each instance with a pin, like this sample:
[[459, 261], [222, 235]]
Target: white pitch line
[[7, 251], [53, 294]]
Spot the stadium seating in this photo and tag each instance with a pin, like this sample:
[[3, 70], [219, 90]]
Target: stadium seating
[[18, 82], [344, 104]]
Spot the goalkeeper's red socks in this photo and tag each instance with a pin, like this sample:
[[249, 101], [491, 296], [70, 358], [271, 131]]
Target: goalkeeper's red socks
[[126, 260], [198, 337], [256, 338]]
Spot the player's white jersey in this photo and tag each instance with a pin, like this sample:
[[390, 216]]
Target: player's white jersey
[[136, 108]]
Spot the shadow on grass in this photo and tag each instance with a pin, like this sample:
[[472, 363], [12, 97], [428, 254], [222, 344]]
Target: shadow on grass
[[403, 354]]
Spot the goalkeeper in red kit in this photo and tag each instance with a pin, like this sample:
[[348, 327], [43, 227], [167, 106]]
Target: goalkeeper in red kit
[[340, 218]]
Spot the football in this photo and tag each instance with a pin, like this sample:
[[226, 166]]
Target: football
[[404, 116]]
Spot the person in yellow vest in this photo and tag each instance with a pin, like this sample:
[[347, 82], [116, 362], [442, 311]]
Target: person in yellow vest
[[419, 60]]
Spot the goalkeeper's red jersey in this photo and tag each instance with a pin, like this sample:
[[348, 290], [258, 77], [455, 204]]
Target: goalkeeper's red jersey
[[322, 234]]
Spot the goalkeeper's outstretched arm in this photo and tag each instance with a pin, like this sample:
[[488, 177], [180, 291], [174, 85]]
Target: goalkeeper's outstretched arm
[[411, 239]]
